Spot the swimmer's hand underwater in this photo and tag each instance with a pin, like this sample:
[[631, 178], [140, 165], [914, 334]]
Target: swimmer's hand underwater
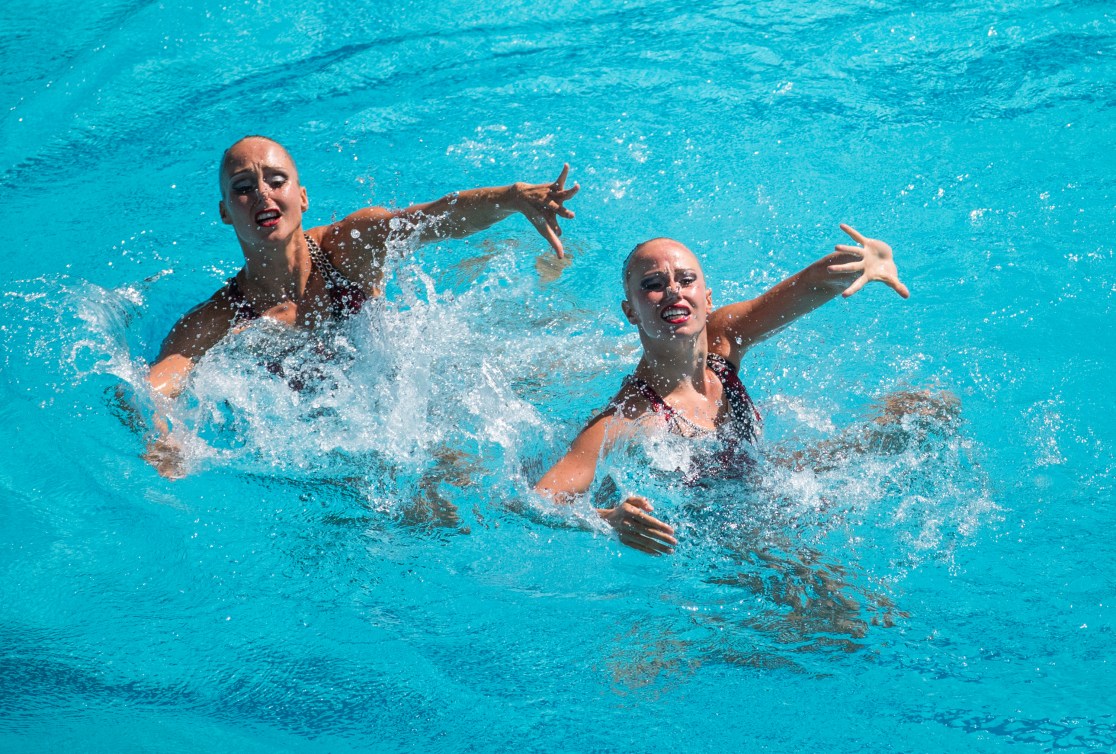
[[637, 528], [165, 455]]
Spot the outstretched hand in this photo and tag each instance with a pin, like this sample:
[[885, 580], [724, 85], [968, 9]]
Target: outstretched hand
[[544, 203], [876, 263], [637, 528]]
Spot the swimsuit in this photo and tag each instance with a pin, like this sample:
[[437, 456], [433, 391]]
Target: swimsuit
[[744, 421], [345, 297]]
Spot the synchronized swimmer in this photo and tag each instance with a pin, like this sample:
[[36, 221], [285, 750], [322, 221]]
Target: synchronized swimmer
[[686, 381], [303, 278], [687, 377]]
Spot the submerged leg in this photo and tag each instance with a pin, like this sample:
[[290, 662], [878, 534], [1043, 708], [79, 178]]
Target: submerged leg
[[904, 417]]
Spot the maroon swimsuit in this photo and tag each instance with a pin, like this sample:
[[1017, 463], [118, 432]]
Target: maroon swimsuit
[[744, 421], [345, 297]]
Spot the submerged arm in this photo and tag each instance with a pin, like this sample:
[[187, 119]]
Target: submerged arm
[[736, 327], [189, 339]]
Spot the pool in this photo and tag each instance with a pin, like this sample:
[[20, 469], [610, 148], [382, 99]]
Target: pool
[[359, 566]]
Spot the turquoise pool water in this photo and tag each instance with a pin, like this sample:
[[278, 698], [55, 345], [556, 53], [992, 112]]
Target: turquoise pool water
[[358, 567]]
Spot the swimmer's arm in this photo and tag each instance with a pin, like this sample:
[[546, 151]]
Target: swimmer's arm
[[188, 340], [361, 241], [736, 327], [573, 476]]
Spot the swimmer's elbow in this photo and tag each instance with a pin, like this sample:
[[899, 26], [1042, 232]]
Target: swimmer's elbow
[[551, 489], [168, 375], [549, 494]]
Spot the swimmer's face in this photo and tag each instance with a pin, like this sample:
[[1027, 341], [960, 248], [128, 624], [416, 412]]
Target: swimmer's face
[[260, 193], [666, 293]]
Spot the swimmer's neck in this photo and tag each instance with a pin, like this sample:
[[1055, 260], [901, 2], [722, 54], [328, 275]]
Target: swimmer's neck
[[278, 272], [670, 366]]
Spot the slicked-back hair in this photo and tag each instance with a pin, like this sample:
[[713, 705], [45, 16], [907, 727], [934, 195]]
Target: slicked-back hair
[[225, 157], [631, 254]]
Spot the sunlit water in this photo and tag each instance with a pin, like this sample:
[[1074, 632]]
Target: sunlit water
[[359, 565]]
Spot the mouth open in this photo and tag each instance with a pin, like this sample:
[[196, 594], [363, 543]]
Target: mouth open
[[676, 315], [268, 218]]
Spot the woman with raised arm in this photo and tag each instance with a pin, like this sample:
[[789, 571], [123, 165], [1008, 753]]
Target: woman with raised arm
[[305, 277], [686, 380]]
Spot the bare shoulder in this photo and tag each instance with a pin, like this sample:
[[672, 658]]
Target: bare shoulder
[[357, 245], [372, 220], [628, 405], [201, 328], [733, 329]]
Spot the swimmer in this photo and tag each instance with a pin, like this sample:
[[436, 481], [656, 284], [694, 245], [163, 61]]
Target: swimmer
[[305, 277], [686, 380]]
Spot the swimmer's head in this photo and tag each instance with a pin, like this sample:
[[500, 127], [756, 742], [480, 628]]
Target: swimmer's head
[[650, 246], [261, 196], [664, 287], [234, 150]]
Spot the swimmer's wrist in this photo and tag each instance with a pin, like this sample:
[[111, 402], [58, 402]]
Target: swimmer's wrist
[[507, 198]]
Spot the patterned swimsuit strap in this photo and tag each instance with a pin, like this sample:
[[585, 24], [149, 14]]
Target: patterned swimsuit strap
[[725, 373], [658, 405], [743, 407], [332, 275], [346, 296], [243, 311]]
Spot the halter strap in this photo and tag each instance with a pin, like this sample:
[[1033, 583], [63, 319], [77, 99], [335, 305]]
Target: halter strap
[[658, 405], [243, 311], [345, 297], [742, 410], [333, 277]]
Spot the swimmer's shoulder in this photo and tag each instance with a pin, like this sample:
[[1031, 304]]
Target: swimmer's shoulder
[[203, 326], [628, 405], [367, 226], [357, 246]]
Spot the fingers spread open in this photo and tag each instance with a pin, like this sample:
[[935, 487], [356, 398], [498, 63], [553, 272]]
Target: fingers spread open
[[554, 206], [856, 286], [547, 229], [854, 234], [561, 181], [565, 194]]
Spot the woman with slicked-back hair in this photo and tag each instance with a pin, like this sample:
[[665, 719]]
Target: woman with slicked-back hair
[[686, 381], [303, 277]]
